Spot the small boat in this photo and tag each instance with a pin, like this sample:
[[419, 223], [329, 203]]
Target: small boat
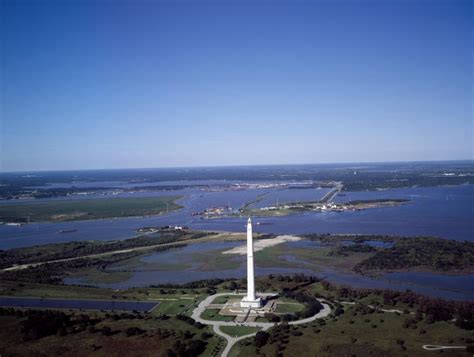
[[67, 230]]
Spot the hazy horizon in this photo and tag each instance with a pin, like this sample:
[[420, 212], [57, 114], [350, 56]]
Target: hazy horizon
[[344, 163], [134, 84]]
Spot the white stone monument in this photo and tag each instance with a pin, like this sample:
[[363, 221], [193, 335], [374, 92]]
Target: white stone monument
[[250, 301]]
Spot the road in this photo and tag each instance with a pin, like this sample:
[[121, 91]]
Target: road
[[330, 195], [217, 237], [196, 315]]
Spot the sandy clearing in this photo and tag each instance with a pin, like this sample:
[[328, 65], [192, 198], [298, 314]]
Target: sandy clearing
[[262, 244]]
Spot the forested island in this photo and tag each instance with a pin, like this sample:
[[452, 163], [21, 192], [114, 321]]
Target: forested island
[[427, 253]]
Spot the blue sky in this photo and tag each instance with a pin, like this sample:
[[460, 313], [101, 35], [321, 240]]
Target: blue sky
[[111, 84]]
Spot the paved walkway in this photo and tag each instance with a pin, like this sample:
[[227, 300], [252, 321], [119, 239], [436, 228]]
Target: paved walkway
[[231, 341], [439, 347], [196, 315]]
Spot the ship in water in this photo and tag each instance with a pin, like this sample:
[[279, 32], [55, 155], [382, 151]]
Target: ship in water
[[67, 230]]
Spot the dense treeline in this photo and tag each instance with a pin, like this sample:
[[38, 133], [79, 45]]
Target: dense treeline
[[187, 349], [52, 273], [356, 238], [36, 324], [434, 253], [345, 250], [190, 321], [373, 182]]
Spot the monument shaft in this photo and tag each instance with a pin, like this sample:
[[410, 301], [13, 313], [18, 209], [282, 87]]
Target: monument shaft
[[250, 264], [251, 300]]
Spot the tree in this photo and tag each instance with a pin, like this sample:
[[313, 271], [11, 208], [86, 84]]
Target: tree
[[261, 338]]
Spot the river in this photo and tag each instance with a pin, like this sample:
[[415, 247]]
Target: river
[[445, 212]]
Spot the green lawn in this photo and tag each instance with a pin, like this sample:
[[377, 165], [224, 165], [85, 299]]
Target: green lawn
[[236, 331], [213, 315], [173, 307], [288, 308], [223, 299], [70, 210]]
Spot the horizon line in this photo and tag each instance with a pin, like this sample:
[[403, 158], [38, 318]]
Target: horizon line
[[238, 165]]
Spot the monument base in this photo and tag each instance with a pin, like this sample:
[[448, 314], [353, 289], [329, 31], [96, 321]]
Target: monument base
[[257, 303]]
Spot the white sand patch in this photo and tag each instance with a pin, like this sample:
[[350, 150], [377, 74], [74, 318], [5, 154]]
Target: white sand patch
[[260, 244]]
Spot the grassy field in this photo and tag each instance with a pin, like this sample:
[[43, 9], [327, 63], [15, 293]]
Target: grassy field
[[223, 299], [288, 307], [213, 315], [361, 335], [236, 331], [174, 306], [70, 210]]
